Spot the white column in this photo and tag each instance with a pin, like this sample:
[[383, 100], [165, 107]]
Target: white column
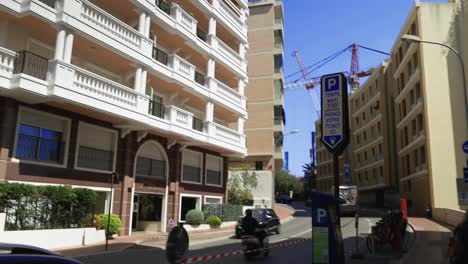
[[243, 15], [137, 85], [147, 25], [242, 50], [59, 44], [144, 77], [68, 50], [240, 125], [209, 111], [142, 23], [212, 26], [210, 69], [241, 88]]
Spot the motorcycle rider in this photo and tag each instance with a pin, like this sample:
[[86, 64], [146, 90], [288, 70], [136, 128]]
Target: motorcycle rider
[[250, 224]]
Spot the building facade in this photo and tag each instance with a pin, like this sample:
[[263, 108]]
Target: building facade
[[370, 119], [151, 90], [264, 128]]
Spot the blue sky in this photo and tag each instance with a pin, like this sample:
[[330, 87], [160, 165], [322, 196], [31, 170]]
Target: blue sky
[[319, 28]]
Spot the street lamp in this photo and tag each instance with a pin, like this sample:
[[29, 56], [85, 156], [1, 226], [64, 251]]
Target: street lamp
[[295, 131], [416, 39]]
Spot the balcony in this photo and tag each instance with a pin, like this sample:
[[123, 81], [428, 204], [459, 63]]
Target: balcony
[[231, 14], [68, 83], [231, 96], [225, 52]]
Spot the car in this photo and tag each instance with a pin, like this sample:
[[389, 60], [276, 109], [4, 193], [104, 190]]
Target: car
[[264, 216], [19, 254], [284, 198]]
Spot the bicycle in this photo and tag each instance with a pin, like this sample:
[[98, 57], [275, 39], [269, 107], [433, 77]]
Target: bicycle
[[392, 230]]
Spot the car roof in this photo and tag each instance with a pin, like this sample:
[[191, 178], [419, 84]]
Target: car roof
[[21, 246]]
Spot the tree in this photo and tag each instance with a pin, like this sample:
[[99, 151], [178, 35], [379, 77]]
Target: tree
[[285, 182], [309, 170], [240, 188]]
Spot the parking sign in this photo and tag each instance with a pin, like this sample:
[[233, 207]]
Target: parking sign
[[334, 102]]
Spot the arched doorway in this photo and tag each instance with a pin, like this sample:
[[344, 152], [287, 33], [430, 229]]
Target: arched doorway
[[149, 205]]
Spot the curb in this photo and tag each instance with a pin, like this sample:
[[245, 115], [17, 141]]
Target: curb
[[287, 207]]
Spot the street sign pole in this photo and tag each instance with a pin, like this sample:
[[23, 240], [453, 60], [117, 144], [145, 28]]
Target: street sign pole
[[335, 134]]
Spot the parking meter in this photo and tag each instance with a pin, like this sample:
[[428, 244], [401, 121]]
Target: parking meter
[[327, 240]]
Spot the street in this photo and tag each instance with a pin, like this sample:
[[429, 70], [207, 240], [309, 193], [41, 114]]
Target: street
[[299, 227]]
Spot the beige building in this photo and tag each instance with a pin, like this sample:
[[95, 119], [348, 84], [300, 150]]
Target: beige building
[[429, 109], [370, 119]]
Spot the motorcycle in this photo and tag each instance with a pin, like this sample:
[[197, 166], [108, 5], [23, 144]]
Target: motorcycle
[[251, 245]]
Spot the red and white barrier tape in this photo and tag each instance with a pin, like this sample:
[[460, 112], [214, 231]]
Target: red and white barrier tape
[[239, 252]]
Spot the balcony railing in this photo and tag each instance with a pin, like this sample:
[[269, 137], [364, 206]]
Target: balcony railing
[[31, 64], [160, 56], [226, 134], [39, 149], [229, 52], [156, 109], [96, 159], [183, 67], [229, 14], [165, 7], [184, 19], [180, 117], [200, 78], [230, 94], [197, 124], [201, 34], [7, 61], [50, 3], [112, 26]]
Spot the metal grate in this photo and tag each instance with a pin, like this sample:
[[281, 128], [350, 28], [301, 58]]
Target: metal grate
[[200, 78], [156, 109], [150, 168], [31, 64], [98, 159], [197, 124], [160, 56]]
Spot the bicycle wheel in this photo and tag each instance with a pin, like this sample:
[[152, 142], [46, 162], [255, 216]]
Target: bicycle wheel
[[409, 237], [370, 242]]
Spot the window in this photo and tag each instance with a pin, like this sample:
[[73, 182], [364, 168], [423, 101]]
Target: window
[[372, 132], [373, 152], [420, 123], [412, 100], [408, 168], [192, 166], [41, 137], [410, 187], [364, 136], [378, 127], [213, 199], [415, 61], [258, 165], [414, 128], [363, 116], [405, 133], [360, 177], [365, 155], [418, 90], [366, 177], [402, 81], [214, 171], [188, 202], [356, 103], [380, 149], [403, 107], [359, 157], [381, 171], [151, 162], [357, 121], [415, 158], [95, 148], [357, 139]]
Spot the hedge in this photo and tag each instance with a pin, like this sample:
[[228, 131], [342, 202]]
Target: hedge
[[226, 212], [30, 207]]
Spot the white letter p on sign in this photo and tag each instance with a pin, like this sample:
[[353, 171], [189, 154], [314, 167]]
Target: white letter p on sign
[[320, 214], [331, 83]]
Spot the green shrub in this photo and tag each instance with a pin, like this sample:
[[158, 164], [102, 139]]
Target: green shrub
[[98, 222], [214, 221], [114, 225], [231, 212], [194, 217]]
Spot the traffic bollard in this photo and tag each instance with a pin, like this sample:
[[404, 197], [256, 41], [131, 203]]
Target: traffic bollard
[[357, 254]]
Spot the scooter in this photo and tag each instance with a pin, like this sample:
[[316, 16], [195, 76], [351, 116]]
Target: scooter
[[251, 244]]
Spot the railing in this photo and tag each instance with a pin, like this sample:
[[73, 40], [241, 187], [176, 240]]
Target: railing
[[197, 124], [101, 88], [165, 7], [228, 92], [230, 14], [96, 159], [180, 117], [50, 3], [185, 19], [200, 78], [201, 34], [156, 109], [7, 61], [183, 67], [109, 24], [229, 52], [39, 149], [160, 56], [227, 134], [31, 64]]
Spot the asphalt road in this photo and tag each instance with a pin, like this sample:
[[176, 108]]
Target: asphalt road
[[201, 245]]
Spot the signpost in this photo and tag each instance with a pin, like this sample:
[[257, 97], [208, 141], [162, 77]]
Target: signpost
[[320, 244], [335, 129], [465, 147]]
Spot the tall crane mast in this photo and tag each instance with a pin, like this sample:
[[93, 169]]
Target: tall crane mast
[[308, 83]]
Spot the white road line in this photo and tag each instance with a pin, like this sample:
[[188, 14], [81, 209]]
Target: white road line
[[293, 236]]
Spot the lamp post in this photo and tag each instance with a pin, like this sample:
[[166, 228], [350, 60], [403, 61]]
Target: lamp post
[[417, 39], [113, 176], [295, 131]]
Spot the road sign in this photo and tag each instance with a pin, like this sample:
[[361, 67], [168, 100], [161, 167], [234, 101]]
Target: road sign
[[319, 217], [171, 223], [465, 147], [335, 130]]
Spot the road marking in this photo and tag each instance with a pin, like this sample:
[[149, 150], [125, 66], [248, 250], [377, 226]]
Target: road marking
[[293, 236]]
